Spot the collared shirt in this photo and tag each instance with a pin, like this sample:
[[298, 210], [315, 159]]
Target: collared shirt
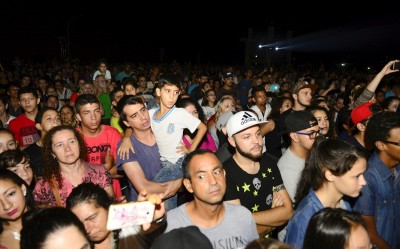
[[297, 226], [381, 198]]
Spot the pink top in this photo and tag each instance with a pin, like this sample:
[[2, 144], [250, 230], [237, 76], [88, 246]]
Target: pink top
[[207, 144], [96, 174]]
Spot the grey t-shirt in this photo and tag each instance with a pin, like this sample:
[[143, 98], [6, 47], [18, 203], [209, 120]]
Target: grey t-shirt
[[236, 230], [291, 167]]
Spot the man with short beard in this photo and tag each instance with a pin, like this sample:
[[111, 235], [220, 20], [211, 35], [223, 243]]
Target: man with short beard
[[253, 178], [302, 93]]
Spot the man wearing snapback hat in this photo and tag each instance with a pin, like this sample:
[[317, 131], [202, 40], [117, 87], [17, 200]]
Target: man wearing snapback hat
[[253, 178], [360, 117], [302, 93], [302, 128], [229, 88]]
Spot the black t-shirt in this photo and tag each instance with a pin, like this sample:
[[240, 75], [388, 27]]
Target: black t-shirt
[[35, 156], [352, 140], [253, 190]]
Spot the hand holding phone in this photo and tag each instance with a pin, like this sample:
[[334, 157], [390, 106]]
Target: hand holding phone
[[130, 214], [396, 65]]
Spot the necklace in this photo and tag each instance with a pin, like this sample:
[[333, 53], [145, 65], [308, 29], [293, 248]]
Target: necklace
[[16, 235]]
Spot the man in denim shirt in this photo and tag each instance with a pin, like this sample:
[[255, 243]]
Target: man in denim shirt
[[379, 202]]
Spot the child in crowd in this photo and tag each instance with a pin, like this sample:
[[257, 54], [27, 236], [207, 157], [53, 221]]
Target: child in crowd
[[168, 123]]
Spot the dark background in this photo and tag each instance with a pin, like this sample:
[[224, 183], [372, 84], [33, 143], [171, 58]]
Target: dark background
[[197, 31]]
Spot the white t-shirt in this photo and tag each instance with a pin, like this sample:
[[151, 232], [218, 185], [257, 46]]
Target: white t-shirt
[[107, 76], [169, 131]]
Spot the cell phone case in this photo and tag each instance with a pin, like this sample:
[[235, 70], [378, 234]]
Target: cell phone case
[[129, 214]]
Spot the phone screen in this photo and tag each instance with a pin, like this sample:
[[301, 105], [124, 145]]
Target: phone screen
[[396, 66]]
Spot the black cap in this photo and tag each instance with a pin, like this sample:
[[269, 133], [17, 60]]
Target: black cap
[[299, 120], [182, 238], [227, 75]]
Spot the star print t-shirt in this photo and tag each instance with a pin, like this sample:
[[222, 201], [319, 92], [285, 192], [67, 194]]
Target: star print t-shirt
[[253, 190]]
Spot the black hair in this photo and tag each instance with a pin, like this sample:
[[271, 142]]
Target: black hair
[[85, 99], [39, 115], [330, 228], [276, 105], [11, 158], [25, 90], [380, 126], [169, 79], [267, 243], [336, 156], [259, 88], [114, 91], [129, 81], [388, 101], [188, 158], [127, 100], [7, 175], [38, 225], [183, 102], [89, 192]]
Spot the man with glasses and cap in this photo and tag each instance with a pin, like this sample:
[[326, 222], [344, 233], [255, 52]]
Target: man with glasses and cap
[[302, 128]]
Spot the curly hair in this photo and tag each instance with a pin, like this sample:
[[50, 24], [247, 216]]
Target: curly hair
[[326, 154], [51, 166]]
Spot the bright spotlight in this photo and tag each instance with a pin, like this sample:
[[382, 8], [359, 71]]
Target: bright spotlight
[[343, 64], [369, 68], [276, 48], [260, 46]]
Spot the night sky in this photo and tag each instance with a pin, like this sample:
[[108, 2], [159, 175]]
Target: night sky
[[194, 31]]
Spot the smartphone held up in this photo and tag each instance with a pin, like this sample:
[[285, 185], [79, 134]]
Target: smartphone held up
[[130, 214], [396, 65]]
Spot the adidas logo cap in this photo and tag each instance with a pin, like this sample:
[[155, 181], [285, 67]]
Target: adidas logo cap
[[241, 121]]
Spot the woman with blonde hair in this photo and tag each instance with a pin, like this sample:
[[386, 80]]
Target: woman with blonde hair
[[226, 103]]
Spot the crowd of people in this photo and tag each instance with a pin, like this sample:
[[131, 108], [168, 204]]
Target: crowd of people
[[230, 157]]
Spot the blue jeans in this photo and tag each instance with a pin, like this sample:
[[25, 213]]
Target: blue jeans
[[170, 172]]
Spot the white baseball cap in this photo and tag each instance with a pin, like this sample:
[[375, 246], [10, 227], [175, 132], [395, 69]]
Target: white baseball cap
[[241, 121]]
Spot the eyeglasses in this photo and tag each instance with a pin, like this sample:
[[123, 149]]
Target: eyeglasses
[[311, 135], [390, 142], [211, 94]]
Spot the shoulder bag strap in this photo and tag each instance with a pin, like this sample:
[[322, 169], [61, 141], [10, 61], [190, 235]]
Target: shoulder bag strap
[[56, 193]]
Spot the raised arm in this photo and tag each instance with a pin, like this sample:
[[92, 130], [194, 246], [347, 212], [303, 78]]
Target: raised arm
[[369, 91]]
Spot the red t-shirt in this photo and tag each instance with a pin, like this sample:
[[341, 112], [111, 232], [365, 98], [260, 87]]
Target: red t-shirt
[[24, 130]]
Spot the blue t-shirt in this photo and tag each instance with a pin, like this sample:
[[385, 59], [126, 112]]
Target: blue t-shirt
[[148, 158]]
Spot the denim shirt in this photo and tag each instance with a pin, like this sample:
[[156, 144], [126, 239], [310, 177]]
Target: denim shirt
[[297, 226], [381, 198]]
